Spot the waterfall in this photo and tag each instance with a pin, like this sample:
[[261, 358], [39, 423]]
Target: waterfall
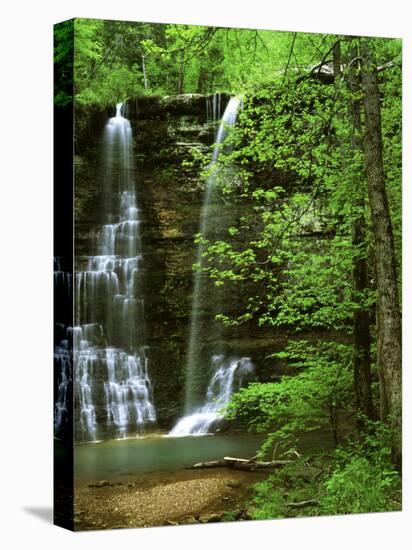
[[113, 392], [193, 372], [228, 375], [213, 108], [63, 362], [200, 418], [62, 347]]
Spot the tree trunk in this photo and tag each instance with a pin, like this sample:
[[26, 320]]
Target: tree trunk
[[243, 464], [303, 503], [389, 353], [145, 79], [337, 63], [181, 77], [361, 324]]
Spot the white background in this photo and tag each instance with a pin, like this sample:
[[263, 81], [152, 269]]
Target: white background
[[25, 271]]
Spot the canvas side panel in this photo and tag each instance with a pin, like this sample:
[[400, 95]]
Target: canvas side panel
[[63, 274]]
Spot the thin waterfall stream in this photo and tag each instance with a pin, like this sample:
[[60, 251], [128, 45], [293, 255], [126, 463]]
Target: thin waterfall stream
[[110, 352], [226, 373], [227, 377]]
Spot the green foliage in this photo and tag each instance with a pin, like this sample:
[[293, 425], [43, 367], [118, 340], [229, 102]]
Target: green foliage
[[269, 501], [300, 282], [361, 486], [295, 482], [357, 478], [317, 395], [229, 515], [168, 59], [297, 140], [104, 72], [63, 63], [363, 479]]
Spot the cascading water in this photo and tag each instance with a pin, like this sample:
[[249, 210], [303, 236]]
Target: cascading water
[[110, 354], [62, 348], [213, 108], [228, 377], [199, 419]]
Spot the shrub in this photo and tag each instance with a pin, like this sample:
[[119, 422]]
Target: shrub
[[361, 486]]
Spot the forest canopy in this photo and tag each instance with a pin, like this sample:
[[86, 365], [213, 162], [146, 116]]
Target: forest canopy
[[115, 60]]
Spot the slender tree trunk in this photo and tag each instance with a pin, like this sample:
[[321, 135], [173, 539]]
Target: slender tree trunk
[[389, 353], [337, 63], [334, 425], [145, 79], [361, 322], [181, 80]]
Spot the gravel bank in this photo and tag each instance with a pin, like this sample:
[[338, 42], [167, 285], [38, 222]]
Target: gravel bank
[[180, 497]]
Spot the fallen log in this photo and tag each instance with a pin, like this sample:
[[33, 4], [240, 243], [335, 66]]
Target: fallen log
[[303, 503], [242, 464]]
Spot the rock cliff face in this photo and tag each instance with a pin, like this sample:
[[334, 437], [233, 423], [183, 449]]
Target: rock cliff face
[[169, 191]]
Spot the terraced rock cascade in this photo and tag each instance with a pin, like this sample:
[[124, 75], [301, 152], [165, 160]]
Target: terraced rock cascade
[[109, 341], [63, 359]]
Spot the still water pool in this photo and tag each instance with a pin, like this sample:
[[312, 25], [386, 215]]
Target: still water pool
[[120, 459]]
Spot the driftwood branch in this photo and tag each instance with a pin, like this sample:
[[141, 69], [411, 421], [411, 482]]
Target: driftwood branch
[[388, 65], [318, 68], [303, 503], [243, 464]]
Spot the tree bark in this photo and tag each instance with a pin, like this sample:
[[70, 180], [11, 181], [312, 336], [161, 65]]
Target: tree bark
[[243, 464], [389, 353], [181, 76], [361, 322], [337, 60], [303, 503], [145, 79]]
